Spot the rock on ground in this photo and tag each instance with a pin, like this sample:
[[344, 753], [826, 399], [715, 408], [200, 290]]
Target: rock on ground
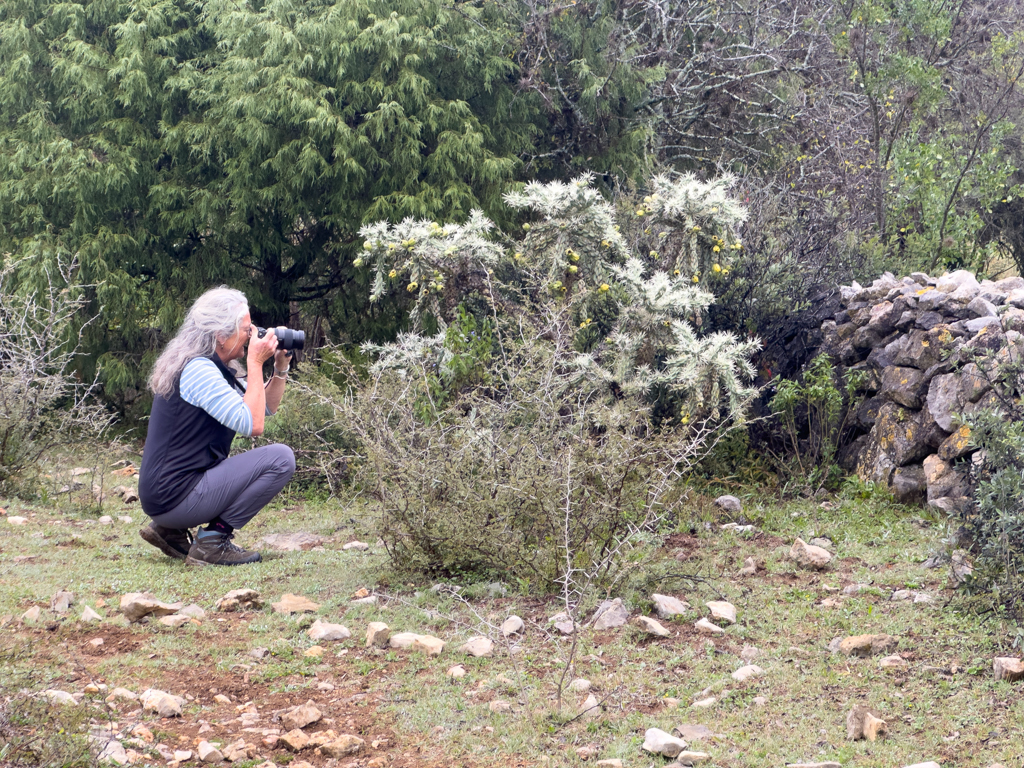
[[708, 628], [667, 606], [861, 724], [377, 634], [809, 556], [651, 626], [61, 601], [161, 702], [290, 603], [722, 611], [209, 753], [511, 626], [867, 645], [137, 605], [322, 630], [729, 504], [479, 647], [659, 742], [301, 716], [342, 746], [610, 614], [430, 645], [1007, 668], [746, 673], [293, 542], [240, 600]]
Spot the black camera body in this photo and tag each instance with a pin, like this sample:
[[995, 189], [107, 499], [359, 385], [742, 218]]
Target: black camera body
[[286, 337]]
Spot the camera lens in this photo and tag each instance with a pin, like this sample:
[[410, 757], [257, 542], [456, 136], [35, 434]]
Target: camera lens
[[290, 339]]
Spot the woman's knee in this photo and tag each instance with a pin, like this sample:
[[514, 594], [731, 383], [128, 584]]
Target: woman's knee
[[283, 458]]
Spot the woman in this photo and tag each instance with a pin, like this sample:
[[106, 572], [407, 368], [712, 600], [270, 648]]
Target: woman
[[199, 403]]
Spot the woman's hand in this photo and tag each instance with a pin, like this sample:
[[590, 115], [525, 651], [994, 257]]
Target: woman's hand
[[282, 360], [262, 349]]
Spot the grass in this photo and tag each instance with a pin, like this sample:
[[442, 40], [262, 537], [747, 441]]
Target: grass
[[943, 706]]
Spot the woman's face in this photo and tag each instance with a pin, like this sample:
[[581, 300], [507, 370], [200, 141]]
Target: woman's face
[[233, 347]]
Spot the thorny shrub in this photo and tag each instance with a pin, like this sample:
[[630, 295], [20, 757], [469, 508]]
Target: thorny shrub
[[42, 404], [520, 439]]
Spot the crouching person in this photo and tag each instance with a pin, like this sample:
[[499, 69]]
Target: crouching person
[[199, 404]]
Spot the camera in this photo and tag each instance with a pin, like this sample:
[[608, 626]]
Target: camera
[[286, 337]]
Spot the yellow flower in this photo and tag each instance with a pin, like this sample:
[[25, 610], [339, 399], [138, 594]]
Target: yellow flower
[[391, 246], [357, 263], [412, 287], [526, 227], [640, 212], [604, 287], [517, 256], [696, 228], [606, 244], [716, 268], [716, 249], [676, 272], [573, 269], [367, 246], [696, 279], [393, 273], [653, 254]]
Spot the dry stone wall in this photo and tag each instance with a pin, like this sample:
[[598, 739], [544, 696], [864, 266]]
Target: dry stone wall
[[906, 337]]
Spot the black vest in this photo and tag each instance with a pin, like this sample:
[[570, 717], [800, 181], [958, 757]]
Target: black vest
[[182, 442]]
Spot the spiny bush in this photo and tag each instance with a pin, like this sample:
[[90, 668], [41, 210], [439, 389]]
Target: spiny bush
[[520, 438]]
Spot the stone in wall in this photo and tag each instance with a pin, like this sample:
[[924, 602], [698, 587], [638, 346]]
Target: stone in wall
[[903, 337]]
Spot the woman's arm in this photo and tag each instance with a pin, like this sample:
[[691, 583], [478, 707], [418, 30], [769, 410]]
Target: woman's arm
[[260, 350]]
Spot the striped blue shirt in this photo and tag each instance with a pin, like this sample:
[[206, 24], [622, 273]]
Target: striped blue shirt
[[203, 385]]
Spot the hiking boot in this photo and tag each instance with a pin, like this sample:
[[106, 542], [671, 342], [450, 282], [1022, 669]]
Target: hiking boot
[[215, 548], [171, 542]]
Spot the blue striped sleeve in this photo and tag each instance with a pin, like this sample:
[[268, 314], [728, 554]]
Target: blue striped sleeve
[[204, 386]]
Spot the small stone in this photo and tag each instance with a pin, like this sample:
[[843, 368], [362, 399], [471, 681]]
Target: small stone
[[867, 645], [137, 605], [499, 706], [457, 672], [193, 611], [749, 567], [240, 600], [710, 701], [659, 742], [371, 600], [238, 751], [651, 627], [708, 628], [1007, 668], [892, 662], [105, 520], [809, 556], [161, 702], [89, 615], [31, 615], [760, 701], [667, 606], [220, 698], [430, 645], [377, 634], [861, 724], [692, 732], [358, 546], [722, 611], [611, 614], [209, 753], [590, 708], [301, 716], [563, 623], [692, 758], [749, 653], [314, 652], [746, 673], [16, 520], [181, 755], [729, 504], [175, 620], [113, 752], [290, 603], [130, 497], [580, 685], [479, 647], [122, 693], [511, 626], [610, 763], [342, 746], [293, 542], [294, 740], [322, 630], [259, 653], [61, 601], [58, 697], [814, 765]]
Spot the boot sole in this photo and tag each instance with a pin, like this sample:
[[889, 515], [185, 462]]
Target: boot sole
[[196, 561], [150, 536]]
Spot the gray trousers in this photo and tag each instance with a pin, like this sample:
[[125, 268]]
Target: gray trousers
[[234, 490]]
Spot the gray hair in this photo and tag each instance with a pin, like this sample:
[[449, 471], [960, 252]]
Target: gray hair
[[214, 316]]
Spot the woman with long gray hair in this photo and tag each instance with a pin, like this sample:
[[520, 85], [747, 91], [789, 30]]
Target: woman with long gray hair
[[199, 404]]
